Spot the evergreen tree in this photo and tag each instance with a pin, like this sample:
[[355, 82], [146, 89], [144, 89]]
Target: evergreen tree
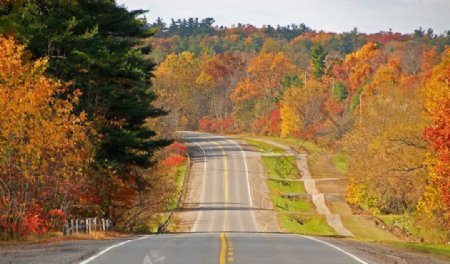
[[99, 47], [318, 55]]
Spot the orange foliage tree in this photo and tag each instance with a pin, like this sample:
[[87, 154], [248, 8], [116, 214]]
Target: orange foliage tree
[[255, 95], [435, 203], [359, 66], [44, 146]]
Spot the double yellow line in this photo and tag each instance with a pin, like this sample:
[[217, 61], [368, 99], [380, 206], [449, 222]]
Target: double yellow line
[[226, 248], [225, 168]]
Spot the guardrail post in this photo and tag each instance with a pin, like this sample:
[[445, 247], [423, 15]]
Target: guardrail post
[[66, 228]]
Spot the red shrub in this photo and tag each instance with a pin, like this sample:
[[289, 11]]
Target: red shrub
[[177, 147], [174, 160]]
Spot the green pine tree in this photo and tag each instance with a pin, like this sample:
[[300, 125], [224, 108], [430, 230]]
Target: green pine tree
[[99, 47], [318, 55]]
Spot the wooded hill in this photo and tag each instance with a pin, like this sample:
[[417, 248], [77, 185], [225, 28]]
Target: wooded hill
[[381, 98]]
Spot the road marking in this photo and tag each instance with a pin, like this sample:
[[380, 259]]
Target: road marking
[[225, 172], [337, 248], [226, 249], [109, 248], [223, 249], [246, 174], [245, 165], [246, 177]]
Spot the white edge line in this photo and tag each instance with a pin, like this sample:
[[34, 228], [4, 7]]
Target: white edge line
[[108, 249], [337, 248], [246, 172], [195, 227], [246, 176], [248, 185]]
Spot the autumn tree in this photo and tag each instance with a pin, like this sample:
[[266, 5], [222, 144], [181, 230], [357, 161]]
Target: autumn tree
[[178, 80], [434, 206], [45, 148], [359, 66], [100, 48], [255, 95], [386, 152], [338, 109], [226, 70], [302, 109]]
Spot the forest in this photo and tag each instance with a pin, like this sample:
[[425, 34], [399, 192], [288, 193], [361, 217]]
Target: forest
[[381, 99], [75, 94], [91, 95]]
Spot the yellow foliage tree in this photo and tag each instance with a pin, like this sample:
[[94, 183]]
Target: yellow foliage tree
[[434, 206], [386, 152], [302, 109], [44, 146]]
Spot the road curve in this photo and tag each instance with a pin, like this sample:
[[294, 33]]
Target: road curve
[[226, 230]]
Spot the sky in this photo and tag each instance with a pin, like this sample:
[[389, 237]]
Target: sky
[[329, 15]]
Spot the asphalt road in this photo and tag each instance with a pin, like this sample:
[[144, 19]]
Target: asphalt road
[[226, 230], [226, 204]]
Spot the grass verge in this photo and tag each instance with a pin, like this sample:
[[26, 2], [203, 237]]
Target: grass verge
[[264, 147], [159, 219], [295, 215], [439, 250], [308, 224], [340, 162]]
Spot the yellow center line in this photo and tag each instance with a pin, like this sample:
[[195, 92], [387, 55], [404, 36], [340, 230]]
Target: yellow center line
[[225, 166], [223, 248], [226, 248]]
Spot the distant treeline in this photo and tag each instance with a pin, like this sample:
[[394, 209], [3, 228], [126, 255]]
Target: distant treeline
[[194, 26]]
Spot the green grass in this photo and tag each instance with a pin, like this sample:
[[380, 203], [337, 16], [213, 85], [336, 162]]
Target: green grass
[[290, 211], [180, 171], [299, 144], [366, 230], [291, 205], [283, 167], [406, 221], [435, 249], [308, 224], [340, 162], [286, 186], [264, 146]]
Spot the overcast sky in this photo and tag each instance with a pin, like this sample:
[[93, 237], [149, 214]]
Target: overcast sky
[[329, 15]]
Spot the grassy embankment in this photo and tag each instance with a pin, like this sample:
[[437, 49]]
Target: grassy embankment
[[296, 215], [160, 219], [326, 164]]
